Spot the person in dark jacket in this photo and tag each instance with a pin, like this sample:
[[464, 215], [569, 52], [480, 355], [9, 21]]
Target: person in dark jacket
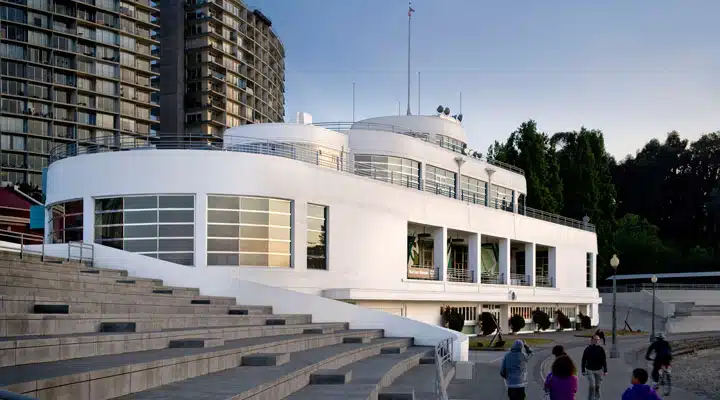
[[594, 366], [663, 355], [514, 369], [639, 389], [599, 333]]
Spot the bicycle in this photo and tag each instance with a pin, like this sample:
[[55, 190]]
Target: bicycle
[[664, 379]]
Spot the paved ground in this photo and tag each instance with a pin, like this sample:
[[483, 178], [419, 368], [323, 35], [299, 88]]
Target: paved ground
[[487, 383]]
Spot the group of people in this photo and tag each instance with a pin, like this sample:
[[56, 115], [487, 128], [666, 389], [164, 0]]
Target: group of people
[[562, 381]]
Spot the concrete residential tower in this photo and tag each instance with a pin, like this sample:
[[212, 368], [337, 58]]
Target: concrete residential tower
[[70, 72], [222, 66]]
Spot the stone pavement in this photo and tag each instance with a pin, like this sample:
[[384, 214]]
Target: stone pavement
[[487, 383]]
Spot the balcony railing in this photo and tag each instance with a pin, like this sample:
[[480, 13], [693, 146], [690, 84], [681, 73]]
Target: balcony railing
[[460, 275], [544, 281], [492, 278], [519, 280], [423, 273], [335, 159]]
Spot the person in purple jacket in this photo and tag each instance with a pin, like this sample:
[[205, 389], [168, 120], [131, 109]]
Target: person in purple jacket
[[639, 389], [562, 383]]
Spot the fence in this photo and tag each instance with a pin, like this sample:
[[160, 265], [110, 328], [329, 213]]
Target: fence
[[18, 242], [443, 358], [633, 288]]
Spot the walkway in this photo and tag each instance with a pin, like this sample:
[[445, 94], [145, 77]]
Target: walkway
[[487, 384]]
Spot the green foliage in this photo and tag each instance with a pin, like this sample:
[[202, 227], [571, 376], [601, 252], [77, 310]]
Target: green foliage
[[452, 319], [562, 320], [541, 319], [585, 321], [516, 323], [487, 323]]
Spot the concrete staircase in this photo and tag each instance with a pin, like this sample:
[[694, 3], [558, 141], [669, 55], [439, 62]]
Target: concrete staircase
[[68, 331]]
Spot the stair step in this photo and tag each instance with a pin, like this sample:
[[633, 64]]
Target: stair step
[[51, 309], [162, 291], [356, 340], [393, 350], [200, 301], [265, 360], [427, 360], [397, 394], [118, 327], [316, 331], [275, 321], [330, 377], [195, 343], [267, 382], [238, 312], [50, 380]]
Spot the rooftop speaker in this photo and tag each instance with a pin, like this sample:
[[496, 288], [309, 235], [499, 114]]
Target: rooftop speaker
[[459, 117], [446, 111], [440, 109]]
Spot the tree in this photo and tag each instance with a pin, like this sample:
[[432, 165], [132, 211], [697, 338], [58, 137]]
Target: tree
[[452, 319], [487, 323], [541, 319], [639, 245], [562, 320], [516, 323]]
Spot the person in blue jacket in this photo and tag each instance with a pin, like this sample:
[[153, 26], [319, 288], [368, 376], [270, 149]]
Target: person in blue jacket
[[514, 369], [639, 389]]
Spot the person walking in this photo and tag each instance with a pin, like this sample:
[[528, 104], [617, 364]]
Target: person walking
[[514, 369], [601, 335], [594, 366], [639, 389], [562, 382]]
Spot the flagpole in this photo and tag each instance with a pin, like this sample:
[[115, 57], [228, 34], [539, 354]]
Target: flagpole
[[410, 11]]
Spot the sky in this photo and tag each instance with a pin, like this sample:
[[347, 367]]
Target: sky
[[633, 69]]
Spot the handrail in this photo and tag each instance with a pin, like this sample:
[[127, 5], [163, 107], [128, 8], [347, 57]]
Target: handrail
[[5, 395], [302, 151], [460, 275], [22, 239], [443, 356], [660, 286], [88, 248]]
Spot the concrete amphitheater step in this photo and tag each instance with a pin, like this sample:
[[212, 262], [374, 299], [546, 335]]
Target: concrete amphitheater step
[[271, 382], [53, 273], [57, 324], [107, 377], [419, 380], [367, 377], [26, 304], [22, 350]]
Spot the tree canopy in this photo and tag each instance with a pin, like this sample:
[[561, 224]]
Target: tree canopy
[[658, 210]]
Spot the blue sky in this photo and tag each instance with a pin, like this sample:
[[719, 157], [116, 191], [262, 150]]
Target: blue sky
[[634, 69]]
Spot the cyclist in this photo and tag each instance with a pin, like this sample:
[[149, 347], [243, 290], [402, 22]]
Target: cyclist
[[663, 356]]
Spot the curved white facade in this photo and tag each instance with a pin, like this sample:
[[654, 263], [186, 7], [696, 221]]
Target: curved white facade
[[368, 222]]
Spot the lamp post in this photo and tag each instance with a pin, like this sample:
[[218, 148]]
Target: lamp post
[[654, 280], [614, 262]]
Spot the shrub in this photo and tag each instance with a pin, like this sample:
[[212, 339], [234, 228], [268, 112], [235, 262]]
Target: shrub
[[516, 323], [487, 323], [585, 321], [452, 319], [562, 320], [541, 319]]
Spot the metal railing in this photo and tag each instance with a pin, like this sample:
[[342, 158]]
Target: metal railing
[[22, 240], [5, 395], [443, 357], [301, 151], [492, 278], [85, 252], [519, 280], [660, 286], [543, 281], [460, 275], [423, 273]]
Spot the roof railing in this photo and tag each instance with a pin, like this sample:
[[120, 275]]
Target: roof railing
[[301, 151]]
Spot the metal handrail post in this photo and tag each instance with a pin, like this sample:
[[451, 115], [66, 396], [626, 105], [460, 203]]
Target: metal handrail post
[[42, 252], [68, 257], [22, 245], [81, 251]]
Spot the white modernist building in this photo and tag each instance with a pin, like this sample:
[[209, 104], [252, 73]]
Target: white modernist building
[[391, 213]]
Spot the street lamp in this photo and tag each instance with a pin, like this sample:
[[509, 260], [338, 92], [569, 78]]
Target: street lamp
[[654, 280], [614, 262]]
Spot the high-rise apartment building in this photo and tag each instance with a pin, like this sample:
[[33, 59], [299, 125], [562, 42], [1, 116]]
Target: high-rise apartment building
[[222, 66], [73, 72]]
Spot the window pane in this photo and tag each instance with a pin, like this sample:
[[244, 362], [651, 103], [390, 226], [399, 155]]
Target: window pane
[[177, 230], [141, 202], [178, 258], [177, 215], [223, 231], [259, 260], [222, 259], [142, 245], [254, 218], [176, 245], [248, 203], [177, 201], [279, 233], [115, 203], [232, 203], [316, 211], [260, 232], [111, 218], [223, 245], [278, 260], [280, 206], [225, 217], [141, 231], [140, 217]]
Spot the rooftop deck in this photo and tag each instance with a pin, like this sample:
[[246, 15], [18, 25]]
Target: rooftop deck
[[305, 152]]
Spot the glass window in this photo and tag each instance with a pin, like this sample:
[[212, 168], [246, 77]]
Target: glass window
[[317, 236], [588, 269], [155, 226], [501, 198], [439, 181], [396, 170], [249, 231], [66, 222], [473, 190]]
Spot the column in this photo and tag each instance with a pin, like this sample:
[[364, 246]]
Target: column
[[299, 236], [504, 260], [200, 230], [88, 219], [552, 266], [474, 254], [440, 248], [504, 317], [530, 263], [516, 197], [593, 271]]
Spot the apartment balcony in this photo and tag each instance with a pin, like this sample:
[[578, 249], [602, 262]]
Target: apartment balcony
[[544, 281], [519, 280], [460, 275], [492, 278], [423, 273]]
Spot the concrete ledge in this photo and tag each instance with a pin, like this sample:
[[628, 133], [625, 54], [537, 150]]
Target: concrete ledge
[[427, 360], [162, 291], [265, 360], [393, 350], [275, 321], [118, 327], [317, 331], [200, 301], [330, 377], [195, 343], [464, 370], [356, 339], [51, 309], [397, 394], [238, 312]]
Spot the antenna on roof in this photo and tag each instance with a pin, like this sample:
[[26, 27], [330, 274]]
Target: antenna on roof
[[410, 11]]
